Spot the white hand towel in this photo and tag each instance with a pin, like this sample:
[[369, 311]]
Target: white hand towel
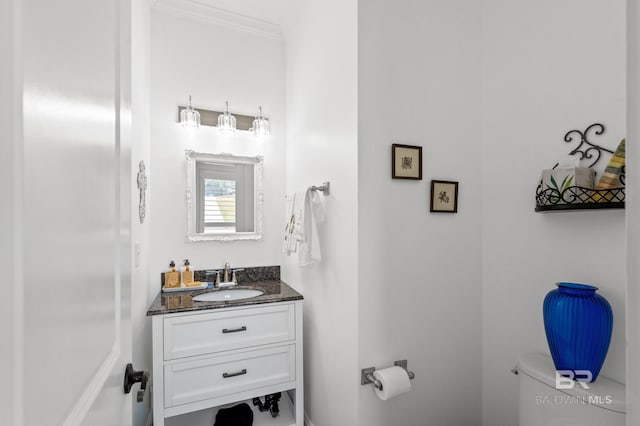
[[290, 242], [294, 229], [312, 214]]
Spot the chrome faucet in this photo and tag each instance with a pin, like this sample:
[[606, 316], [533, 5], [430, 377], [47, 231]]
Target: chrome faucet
[[227, 272], [229, 277]]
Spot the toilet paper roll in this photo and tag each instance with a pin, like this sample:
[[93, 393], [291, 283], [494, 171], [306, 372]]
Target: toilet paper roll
[[395, 381]]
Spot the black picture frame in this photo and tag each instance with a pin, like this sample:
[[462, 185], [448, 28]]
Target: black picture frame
[[444, 196], [406, 162]]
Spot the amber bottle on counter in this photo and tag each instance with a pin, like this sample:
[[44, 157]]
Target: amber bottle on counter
[[187, 274], [172, 278]]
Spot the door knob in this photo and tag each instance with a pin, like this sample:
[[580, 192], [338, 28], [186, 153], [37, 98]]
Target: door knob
[[131, 377]]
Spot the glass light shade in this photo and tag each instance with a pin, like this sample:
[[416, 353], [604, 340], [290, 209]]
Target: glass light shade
[[226, 121], [189, 117], [261, 126]]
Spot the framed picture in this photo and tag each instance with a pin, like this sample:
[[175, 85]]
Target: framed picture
[[406, 162], [444, 196]]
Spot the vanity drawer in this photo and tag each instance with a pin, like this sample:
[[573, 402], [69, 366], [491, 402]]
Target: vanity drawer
[[197, 380], [199, 334]]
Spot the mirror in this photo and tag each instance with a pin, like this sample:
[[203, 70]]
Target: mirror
[[224, 197]]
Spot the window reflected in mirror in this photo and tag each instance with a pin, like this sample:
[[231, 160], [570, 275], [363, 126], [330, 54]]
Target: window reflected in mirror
[[224, 197]]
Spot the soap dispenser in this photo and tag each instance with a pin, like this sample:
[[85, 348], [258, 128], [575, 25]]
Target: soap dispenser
[[172, 278], [187, 274]]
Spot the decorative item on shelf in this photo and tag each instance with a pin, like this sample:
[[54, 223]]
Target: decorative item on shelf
[[567, 176], [578, 324], [189, 117], [572, 188], [444, 197], [226, 121], [406, 162], [261, 125], [613, 176]]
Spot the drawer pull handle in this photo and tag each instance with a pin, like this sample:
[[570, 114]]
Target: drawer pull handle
[[239, 373], [234, 330]]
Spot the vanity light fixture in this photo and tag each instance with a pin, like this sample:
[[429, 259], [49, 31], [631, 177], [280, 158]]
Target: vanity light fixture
[[261, 125], [226, 121], [189, 117]]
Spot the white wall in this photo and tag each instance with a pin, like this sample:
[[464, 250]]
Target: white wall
[[322, 146], [213, 64], [548, 67], [10, 255], [487, 89], [633, 210], [141, 285], [419, 293]]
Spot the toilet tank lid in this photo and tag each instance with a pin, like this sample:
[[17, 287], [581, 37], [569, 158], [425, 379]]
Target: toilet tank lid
[[604, 392]]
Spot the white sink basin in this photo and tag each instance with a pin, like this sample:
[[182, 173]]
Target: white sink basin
[[229, 294]]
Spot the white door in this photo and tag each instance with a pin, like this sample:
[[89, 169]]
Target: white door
[[71, 245]]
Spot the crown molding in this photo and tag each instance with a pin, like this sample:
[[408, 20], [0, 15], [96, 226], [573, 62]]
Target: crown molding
[[203, 12]]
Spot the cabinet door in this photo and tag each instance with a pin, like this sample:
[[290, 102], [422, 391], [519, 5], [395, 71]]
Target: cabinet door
[[210, 377], [199, 334]]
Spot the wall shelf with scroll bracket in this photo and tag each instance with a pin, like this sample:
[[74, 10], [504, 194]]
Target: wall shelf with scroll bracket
[[577, 197]]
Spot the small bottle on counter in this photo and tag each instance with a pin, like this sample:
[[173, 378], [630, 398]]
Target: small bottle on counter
[[172, 278], [187, 275]]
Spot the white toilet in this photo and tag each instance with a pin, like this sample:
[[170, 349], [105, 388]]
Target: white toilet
[[541, 404]]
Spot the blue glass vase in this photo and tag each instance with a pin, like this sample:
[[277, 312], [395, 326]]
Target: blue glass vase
[[578, 323]]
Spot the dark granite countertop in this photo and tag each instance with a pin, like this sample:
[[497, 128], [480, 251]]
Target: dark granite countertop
[[274, 291]]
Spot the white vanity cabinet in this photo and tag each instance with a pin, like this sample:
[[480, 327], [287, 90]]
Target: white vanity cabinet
[[209, 358]]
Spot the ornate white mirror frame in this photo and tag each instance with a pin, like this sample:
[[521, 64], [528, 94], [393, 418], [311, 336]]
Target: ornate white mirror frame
[[193, 158]]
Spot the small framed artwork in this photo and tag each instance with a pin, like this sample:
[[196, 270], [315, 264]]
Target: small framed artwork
[[444, 196], [406, 162]]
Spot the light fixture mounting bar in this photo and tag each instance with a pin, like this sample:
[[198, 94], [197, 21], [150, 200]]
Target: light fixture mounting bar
[[210, 118]]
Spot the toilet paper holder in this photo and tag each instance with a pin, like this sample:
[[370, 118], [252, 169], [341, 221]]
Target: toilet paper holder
[[366, 374]]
